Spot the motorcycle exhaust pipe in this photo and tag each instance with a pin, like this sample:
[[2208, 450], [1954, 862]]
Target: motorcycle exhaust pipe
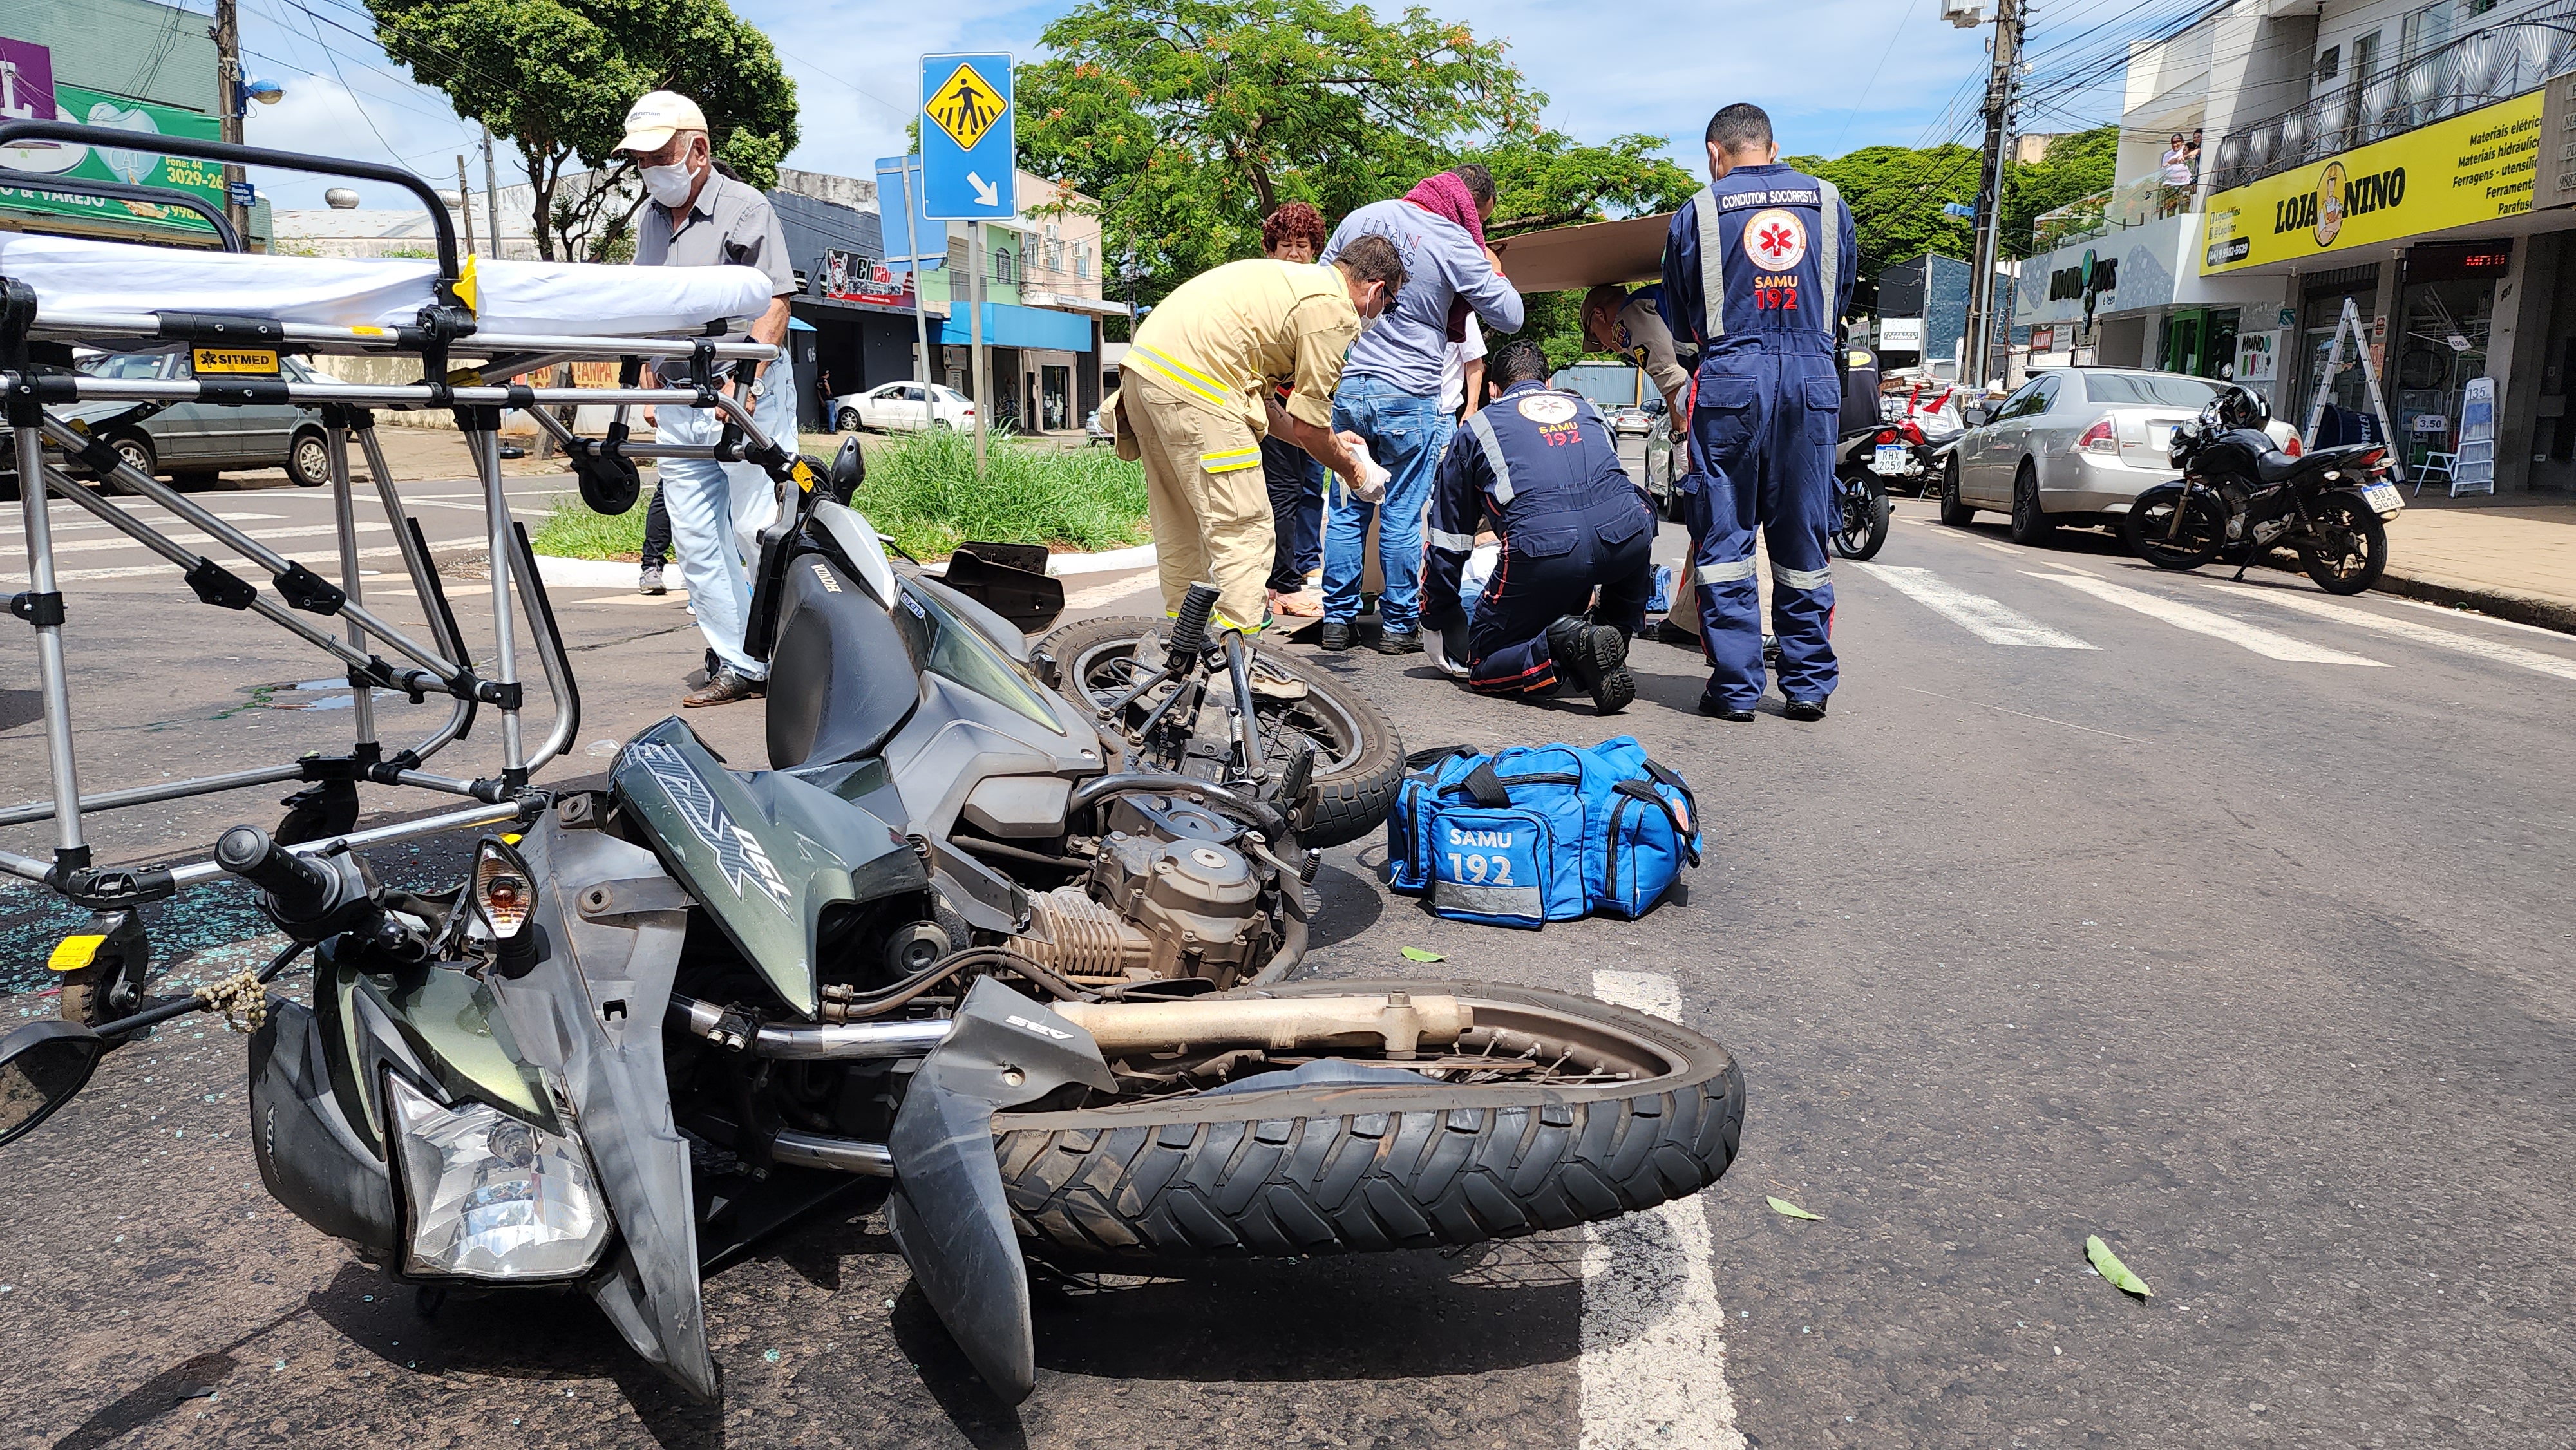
[[1398, 1021]]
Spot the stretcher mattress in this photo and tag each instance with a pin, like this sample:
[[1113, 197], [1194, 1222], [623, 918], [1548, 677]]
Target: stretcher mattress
[[579, 298]]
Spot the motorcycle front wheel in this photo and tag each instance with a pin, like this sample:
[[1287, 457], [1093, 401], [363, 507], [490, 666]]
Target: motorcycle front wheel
[[2152, 535], [2349, 550], [1553, 1110], [1865, 513], [1359, 760]]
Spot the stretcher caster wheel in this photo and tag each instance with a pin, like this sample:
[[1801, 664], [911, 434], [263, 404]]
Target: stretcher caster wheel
[[102, 967]]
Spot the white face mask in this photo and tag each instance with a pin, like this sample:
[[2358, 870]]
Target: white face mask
[[669, 185]]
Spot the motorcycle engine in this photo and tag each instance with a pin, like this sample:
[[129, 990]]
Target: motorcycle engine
[[1168, 895]]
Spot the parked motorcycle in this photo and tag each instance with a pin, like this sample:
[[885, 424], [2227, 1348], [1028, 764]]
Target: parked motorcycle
[[1861, 507], [1003, 931], [2241, 495]]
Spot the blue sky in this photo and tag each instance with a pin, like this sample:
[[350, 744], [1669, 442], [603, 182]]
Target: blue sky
[[1833, 74]]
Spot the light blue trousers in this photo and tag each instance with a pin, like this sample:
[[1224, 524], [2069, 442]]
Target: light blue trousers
[[718, 510]]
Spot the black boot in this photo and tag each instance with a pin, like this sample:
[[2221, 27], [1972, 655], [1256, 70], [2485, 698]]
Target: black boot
[[1595, 658]]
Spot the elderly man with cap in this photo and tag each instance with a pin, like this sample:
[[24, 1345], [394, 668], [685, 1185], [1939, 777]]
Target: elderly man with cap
[[700, 217]]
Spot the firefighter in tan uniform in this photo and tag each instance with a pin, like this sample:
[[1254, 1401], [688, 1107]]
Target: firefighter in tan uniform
[[1197, 398]]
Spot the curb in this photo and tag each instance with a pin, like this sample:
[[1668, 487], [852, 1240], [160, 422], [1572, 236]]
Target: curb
[[2533, 609]]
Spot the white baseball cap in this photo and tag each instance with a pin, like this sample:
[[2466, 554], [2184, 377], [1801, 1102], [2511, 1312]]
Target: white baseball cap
[[652, 120]]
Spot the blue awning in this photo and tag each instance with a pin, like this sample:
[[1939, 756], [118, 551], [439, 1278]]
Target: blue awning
[[1006, 325]]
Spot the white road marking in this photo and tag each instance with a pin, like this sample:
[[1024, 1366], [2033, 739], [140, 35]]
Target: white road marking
[[473, 508], [2469, 615], [1654, 1360], [2201, 621], [141, 571], [11, 526], [85, 546], [2468, 644], [1985, 618]]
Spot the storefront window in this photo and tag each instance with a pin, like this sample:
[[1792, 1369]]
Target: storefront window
[[2441, 347], [2317, 322]]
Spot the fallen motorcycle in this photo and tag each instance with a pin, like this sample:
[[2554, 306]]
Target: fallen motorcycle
[[1015, 950]]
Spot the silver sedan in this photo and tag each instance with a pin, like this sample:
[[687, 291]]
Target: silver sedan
[[2072, 445]]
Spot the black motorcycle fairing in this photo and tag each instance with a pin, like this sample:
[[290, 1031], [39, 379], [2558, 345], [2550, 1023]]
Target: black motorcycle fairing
[[310, 1158], [843, 677], [590, 1015], [948, 1212]]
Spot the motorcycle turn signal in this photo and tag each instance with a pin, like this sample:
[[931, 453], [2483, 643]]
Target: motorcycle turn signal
[[504, 892]]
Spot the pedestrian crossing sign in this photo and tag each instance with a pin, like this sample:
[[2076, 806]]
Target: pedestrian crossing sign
[[965, 106]]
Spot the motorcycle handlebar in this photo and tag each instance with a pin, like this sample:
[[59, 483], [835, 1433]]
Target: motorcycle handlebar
[[299, 887]]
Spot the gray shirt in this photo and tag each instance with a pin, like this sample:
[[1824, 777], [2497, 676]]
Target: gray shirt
[[1441, 263], [728, 223]]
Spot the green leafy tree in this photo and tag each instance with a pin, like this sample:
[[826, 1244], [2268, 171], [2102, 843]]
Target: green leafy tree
[[1896, 194], [2076, 166], [1191, 120], [555, 77]]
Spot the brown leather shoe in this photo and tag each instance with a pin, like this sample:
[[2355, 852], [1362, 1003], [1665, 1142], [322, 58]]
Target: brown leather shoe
[[725, 687]]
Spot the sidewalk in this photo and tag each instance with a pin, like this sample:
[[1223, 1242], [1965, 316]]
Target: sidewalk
[[2513, 557]]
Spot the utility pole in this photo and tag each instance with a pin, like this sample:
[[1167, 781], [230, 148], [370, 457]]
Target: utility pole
[[465, 203], [493, 194], [228, 90], [2002, 80]]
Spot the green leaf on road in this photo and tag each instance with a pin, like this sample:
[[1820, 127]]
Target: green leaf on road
[[2113, 1270], [1417, 954], [1786, 1209]]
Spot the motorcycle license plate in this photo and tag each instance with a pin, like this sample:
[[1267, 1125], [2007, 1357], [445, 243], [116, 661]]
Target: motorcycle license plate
[[2383, 498], [1890, 458]]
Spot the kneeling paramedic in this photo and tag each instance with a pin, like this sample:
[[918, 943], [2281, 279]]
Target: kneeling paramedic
[[1543, 464], [1757, 269], [1197, 400]]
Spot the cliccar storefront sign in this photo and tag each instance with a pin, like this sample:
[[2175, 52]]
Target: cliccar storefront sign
[[2469, 169]]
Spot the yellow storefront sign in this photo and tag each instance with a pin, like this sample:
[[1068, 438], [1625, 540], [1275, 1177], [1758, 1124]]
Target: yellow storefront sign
[[2469, 169]]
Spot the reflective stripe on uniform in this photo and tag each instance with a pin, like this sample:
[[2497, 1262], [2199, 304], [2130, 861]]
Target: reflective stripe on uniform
[[1455, 543], [1188, 379], [1794, 578], [1829, 237], [1493, 447], [1230, 460], [1712, 264], [1726, 573]]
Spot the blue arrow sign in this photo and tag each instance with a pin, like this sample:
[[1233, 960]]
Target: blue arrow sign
[[969, 150]]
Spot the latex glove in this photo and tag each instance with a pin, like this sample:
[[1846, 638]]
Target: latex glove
[[1370, 482]]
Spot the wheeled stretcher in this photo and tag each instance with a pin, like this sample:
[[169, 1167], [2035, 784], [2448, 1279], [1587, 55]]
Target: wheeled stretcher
[[473, 324]]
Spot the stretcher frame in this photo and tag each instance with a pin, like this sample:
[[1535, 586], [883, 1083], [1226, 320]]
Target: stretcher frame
[[324, 814]]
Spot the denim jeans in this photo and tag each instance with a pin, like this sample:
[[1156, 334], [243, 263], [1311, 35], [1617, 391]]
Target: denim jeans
[[1296, 485], [1406, 435], [718, 510]]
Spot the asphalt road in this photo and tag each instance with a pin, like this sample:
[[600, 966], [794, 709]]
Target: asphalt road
[[2226, 923]]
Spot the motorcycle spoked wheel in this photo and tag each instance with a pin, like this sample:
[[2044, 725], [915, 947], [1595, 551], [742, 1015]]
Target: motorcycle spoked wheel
[[2349, 550], [1865, 512], [1557, 1110], [1359, 760], [2148, 528]]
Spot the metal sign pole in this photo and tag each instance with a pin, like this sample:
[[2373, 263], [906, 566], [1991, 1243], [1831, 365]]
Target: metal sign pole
[[983, 362], [920, 314]]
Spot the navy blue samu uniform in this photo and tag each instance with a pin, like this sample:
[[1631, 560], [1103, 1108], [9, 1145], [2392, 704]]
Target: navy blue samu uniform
[[1757, 270], [1543, 465]]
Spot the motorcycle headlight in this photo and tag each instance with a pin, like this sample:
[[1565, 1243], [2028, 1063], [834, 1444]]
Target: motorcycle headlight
[[491, 1197]]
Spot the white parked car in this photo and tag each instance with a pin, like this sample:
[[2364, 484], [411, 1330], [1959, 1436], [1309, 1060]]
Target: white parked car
[[901, 408], [2074, 445]]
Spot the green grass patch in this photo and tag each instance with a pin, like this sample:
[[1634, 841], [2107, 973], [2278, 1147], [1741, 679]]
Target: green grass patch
[[922, 492]]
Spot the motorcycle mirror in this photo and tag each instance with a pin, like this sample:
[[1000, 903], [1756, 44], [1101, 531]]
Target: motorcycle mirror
[[849, 470], [505, 896], [43, 1065]]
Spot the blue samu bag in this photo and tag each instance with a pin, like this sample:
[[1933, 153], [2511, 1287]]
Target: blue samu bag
[[1540, 833]]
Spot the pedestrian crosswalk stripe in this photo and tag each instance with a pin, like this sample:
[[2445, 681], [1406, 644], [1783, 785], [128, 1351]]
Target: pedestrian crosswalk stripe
[[1985, 618], [2237, 632], [2406, 629], [1653, 1366]]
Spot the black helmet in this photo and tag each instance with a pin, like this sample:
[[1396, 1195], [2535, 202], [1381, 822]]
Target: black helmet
[[2240, 408]]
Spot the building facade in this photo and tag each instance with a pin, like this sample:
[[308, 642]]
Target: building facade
[[2370, 157]]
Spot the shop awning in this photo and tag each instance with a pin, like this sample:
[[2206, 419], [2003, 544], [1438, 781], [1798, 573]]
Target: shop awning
[[1569, 259]]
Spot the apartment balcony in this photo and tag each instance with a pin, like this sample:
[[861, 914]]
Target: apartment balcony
[[2497, 62]]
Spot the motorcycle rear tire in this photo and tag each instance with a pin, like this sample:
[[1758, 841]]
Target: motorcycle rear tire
[[2205, 532], [1365, 1168], [1870, 536], [2367, 531], [1349, 800]]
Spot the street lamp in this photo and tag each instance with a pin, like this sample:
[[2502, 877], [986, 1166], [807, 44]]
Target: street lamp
[[266, 92]]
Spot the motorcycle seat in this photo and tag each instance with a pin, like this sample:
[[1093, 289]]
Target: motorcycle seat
[[2273, 465]]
